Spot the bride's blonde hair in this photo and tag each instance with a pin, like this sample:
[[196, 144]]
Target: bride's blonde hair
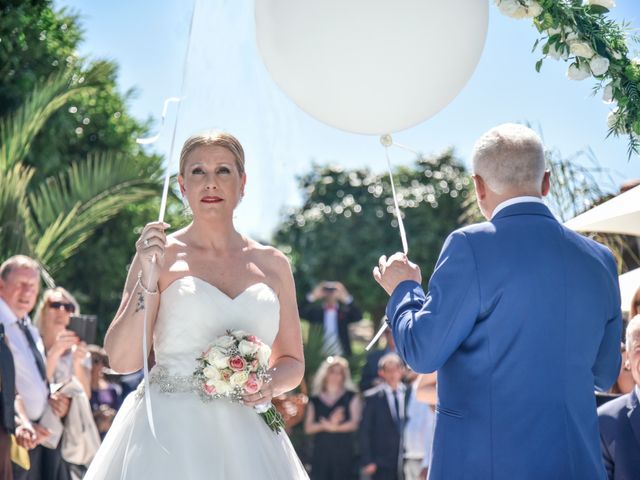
[[219, 139]]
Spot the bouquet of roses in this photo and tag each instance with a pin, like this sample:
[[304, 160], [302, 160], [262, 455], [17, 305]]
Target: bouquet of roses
[[236, 364]]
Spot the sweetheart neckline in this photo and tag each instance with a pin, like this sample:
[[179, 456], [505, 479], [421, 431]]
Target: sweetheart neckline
[[232, 299]]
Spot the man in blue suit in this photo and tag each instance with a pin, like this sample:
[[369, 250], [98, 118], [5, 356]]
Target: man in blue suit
[[620, 418], [521, 321]]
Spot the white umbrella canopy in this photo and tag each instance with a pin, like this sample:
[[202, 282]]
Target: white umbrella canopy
[[621, 214], [629, 284]]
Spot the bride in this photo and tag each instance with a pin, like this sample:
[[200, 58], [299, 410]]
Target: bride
[[208, 278]]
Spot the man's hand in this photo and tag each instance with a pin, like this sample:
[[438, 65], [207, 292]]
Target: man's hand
[[29, 436], [369, 469], [60, 404], [391, 271]]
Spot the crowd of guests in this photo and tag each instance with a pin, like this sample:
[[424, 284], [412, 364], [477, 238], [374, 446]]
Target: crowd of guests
[[58, 396], [56, 401]]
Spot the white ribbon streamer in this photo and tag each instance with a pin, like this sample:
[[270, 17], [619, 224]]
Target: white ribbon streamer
[[165, 108], [163, 204], [387, 141]]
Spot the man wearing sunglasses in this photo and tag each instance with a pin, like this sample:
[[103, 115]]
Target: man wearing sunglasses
[[19, 286]]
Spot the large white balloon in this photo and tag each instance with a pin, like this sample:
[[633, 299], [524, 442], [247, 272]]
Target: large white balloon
[[371, 66]]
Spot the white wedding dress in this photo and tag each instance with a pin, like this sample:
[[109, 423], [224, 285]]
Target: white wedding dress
[[197, 440]]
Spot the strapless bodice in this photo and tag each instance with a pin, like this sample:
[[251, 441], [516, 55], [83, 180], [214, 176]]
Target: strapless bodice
[[193, 313]]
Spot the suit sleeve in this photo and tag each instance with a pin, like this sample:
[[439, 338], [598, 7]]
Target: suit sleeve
[[365, 433], [427, 329], [308, 311], [607, 458], [607, 365]]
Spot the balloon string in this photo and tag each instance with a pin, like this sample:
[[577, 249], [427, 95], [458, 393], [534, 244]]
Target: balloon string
[[403, 233], [163, 204], [386, 142]]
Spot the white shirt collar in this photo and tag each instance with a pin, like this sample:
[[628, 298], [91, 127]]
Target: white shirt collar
[[6, 314], [637, 390], [513, 201]]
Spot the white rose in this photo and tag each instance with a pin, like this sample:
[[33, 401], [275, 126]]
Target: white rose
[[238, 379], [557, 53], [571, 36], [599, 65], [578, 72], [612, 118], [607, 94], [218, 359], [239, 334], [248, 348], [512, 8], [211, 373], [264, 352], [225, 341], [534, 9], [221, 386], [581, 49], [609, 4]]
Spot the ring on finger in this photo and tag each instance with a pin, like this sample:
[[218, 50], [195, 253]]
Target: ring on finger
[[146, 242]]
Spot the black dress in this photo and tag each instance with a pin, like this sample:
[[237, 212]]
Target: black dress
[[333, 452]]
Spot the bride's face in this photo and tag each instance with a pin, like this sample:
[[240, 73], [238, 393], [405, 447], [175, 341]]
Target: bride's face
[[211, 181]]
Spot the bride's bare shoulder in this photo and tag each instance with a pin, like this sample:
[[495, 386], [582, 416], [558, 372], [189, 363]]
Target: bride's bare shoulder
[[270, 258]]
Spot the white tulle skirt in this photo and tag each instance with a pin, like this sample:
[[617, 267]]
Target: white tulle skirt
[[199, 440]]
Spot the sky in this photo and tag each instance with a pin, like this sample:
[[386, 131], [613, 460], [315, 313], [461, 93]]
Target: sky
[[226, 86]]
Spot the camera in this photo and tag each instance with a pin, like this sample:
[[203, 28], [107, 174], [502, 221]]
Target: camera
[[85, 326]]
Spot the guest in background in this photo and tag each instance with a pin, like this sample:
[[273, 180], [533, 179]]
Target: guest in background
[[383, 422], [333, 415], [66, 355], [634, 309], [7, 399], [418, 433], [19, 285], [369, 376], [625, 382], [620, 418], [332, 306], [103, 392]]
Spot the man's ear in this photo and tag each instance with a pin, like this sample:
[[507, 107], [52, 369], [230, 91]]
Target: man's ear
[[546, 183], [481, 189]]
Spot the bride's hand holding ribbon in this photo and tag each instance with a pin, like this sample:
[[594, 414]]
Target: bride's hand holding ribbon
[[151, 244]]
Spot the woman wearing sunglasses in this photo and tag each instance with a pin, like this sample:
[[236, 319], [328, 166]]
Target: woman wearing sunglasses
[[67, 356]]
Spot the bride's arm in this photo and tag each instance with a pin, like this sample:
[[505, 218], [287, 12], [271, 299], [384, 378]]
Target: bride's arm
[[123, 340], [287, 357]]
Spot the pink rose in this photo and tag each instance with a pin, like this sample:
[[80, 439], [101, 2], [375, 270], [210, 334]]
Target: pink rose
[[237, 363], [253, 338], [226, 374], [210, 389], [253, 384]]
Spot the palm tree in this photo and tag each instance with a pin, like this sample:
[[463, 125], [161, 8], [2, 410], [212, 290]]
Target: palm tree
[[50, 219]]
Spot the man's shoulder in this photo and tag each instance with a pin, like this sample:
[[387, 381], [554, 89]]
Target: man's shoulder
[[374, 392], [613, 408]]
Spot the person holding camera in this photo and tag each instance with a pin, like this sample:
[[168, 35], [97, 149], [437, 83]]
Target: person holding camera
[[67, 356], [331, 305]]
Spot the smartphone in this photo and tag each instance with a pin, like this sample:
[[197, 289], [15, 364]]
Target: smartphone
[[85, 326]]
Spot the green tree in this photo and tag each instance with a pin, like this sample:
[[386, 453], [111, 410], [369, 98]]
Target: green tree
[[36, 42], [346, 222], [50, 220]]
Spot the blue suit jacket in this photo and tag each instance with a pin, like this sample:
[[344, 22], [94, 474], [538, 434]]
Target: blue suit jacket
[[620, 437], [522, 320]]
